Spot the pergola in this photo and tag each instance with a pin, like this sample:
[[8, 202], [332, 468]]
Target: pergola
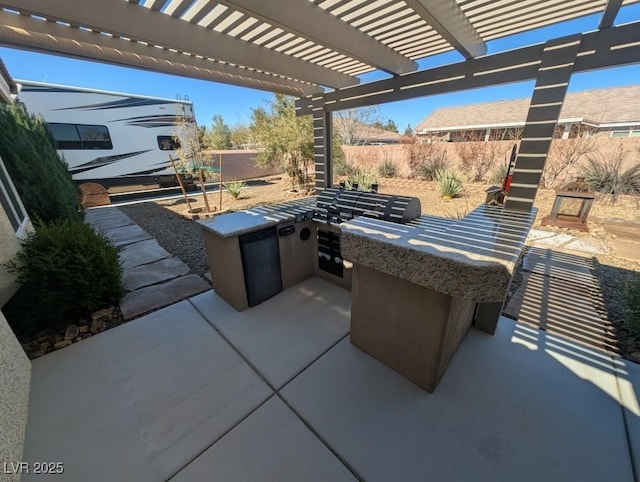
[[315, 50]]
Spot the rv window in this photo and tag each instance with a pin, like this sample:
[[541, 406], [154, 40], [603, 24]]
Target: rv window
[[94, 137], [168, 143], [80, 136], [66, 136]]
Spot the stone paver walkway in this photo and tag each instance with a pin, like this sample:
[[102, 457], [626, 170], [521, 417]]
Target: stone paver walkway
[[559, 292], [152, 276]]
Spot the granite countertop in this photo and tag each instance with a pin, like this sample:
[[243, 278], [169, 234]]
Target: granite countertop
[[473, 258], [259, 217]]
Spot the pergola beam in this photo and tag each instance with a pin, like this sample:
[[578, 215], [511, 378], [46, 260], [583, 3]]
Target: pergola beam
[[600, 49], [22, 32], [128, 20], [448, 19], [309, 21], [610, 13]]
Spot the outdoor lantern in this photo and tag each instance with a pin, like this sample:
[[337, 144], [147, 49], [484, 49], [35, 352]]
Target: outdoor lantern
[[571, 206]]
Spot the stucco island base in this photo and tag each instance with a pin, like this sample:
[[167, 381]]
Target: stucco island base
[[412, 329]]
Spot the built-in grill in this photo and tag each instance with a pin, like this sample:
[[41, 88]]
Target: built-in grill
[[337, 205]]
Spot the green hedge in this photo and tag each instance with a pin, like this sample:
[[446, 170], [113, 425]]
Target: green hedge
[[40, 176], [67, 271]]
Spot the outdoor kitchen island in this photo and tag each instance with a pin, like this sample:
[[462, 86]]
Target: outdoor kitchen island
[[418, 288], [417, 285]]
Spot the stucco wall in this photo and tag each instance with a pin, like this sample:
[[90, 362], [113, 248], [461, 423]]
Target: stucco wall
[[15, 376], [9, 246], [240, 165], [603, 149]]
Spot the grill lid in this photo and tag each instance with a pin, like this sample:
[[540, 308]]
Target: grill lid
[[341, 205]]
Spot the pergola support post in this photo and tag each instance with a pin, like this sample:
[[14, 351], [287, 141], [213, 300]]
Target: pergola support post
[[552, 81], [322, 147]]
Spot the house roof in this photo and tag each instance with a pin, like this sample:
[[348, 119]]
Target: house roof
[[296, 47], [615, 105]]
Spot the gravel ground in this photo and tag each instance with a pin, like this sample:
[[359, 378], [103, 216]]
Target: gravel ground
[[178, 235]]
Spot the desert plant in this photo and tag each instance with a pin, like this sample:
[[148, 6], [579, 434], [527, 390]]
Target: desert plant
[[388, 168], [449, 183], [432, 165], [565, 155], [234, 188], [39, 174], [477, 155], [632, 297], [67, 271], [342, 167], [285, 138], [498, 174], [429, 154], [361, 178], [610, 177]]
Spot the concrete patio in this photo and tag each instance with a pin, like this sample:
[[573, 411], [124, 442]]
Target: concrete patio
[[197, 391]]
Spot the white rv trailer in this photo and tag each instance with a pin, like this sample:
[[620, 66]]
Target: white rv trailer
[[108, 137]]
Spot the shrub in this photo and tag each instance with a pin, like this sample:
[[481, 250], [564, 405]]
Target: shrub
[[67, 271], [431, 166], [363, 178], [632, 296], [449, 183], [421, 155], [610, 178], [40, 176], [498, 174], [388, 168], [342, 167], [234, 188]]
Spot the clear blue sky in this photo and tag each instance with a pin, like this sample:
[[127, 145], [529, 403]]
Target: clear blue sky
[[235, 103]]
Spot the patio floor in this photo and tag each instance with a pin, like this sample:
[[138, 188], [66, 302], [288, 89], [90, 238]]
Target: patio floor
[[197, 391]]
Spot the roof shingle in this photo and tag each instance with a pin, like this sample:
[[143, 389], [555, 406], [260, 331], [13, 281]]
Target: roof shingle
[[601, 106]]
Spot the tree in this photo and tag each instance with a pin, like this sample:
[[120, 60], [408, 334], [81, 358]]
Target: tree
[[243, 136], [391, 126], [202, 137], [565, 154], [219, 135], [40, 176], [408, 131], [284, 138], [355, 126]]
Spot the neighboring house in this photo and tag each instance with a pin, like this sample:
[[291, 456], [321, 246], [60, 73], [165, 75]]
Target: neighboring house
[[353, 132], [15, 368], [613, 112]]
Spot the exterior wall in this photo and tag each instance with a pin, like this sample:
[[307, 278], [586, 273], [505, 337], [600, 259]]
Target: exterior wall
[[370, 157], [9, 247], [15, 377], [240, 165], [15, 368]]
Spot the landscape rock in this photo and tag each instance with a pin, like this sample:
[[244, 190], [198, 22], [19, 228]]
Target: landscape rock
[[97, 326], [83, 329], [103, 314], [61, 344], [71, 332], [30, 346], [39, 352]]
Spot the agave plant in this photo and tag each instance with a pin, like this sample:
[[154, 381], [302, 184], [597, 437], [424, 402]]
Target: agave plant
[[361, 180], [449, 183], [610, 177], [234, 188]]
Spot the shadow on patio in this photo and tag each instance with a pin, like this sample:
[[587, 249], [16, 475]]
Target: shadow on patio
[[198, 391]]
